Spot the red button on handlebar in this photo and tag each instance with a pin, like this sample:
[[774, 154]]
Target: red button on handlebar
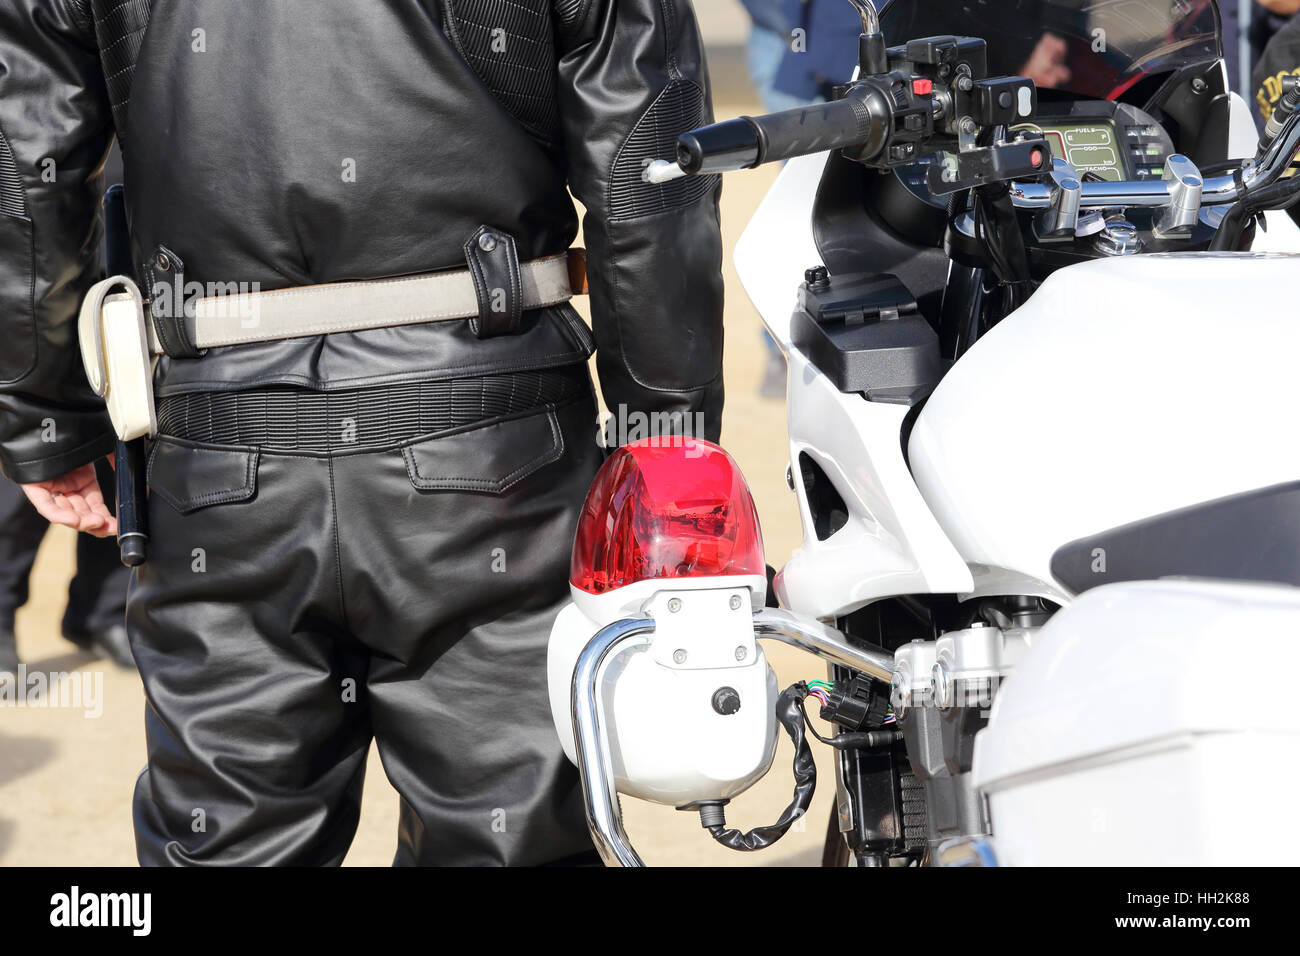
[[922, 87], [1036, 158]]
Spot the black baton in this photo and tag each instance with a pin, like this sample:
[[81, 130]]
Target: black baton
[[132, 505]]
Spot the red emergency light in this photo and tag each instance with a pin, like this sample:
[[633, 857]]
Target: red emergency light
[[666, 508]]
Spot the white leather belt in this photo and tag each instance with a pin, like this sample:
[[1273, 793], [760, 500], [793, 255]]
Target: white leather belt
[[119, 341], [244, 317]]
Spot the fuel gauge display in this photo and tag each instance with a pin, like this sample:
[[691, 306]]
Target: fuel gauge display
[[1090, 147]]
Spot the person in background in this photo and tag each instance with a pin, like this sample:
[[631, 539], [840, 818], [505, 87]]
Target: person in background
[[1280, 58], [1268, 17], [770, 40], [95, 620], [798, 51], [823, 54]]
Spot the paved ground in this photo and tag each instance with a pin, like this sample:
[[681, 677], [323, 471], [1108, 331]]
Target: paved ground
[[65, 780]]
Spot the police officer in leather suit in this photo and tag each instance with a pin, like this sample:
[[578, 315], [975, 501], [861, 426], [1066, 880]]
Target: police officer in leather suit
[[362, 534]]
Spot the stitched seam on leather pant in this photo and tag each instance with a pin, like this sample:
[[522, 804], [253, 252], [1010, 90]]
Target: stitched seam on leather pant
[[338, 551]]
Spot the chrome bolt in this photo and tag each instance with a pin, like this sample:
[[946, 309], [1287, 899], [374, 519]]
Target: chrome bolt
[[966, 125], [679, 656], [162, 262], [940, 686], [735, 602], [487, 242], [674, 605], [741, 653]]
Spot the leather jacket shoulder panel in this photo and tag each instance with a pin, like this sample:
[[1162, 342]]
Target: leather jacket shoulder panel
[[512, 50], [119, 27]]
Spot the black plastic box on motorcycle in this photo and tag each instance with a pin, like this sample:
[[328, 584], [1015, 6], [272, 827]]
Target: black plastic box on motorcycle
[[938, 57], [865, 334]]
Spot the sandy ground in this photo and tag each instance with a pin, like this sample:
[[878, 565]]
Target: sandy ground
[[66, 777]]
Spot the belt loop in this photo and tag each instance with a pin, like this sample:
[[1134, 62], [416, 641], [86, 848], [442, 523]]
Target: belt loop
[[494, 264], [171, 312]]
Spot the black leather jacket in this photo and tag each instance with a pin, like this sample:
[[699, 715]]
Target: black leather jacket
[[292, 142]]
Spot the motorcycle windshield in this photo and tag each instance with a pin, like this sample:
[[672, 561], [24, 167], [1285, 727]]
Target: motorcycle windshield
[[1091, 48]]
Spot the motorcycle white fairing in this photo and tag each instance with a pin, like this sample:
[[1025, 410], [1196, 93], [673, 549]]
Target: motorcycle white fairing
[[1112, 744], [1147, 384]]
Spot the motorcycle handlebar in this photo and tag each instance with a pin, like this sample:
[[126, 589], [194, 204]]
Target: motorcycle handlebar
[[862, 122], [1216, 190], [1151, 193], [753, 140]]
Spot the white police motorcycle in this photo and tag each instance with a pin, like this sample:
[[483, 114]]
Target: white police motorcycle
[[1042, 406]]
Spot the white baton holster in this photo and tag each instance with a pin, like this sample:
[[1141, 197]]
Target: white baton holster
[[116, 351]]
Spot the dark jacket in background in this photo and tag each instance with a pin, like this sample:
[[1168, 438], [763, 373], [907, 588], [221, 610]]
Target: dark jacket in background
[[768, 14], [830, 53], [1281, 58]]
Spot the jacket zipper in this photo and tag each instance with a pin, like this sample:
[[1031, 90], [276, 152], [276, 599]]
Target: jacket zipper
[[13, 199]]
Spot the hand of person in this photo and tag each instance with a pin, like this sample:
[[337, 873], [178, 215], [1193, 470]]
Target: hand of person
[[74, 500], [1283, 8], [1047, 65]]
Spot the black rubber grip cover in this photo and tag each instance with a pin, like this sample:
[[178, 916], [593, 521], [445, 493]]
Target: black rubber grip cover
[[812, 129], [720, 148], [752, 140]]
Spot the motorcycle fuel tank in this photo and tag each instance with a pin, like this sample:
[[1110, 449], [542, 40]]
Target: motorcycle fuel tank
[[1129, 403]]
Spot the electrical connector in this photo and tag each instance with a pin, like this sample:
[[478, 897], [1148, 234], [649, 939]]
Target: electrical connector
[[856, 703]]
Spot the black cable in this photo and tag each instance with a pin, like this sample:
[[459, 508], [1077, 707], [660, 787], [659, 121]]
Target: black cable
[[1224, 166], [869, 739], [789, 711], [998, 230], [1278, 195]]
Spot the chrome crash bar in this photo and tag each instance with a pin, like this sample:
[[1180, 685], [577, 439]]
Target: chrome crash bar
[[600, 798], [823, 641]]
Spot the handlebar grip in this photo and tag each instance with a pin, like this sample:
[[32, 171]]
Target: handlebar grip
[[753, 140], [720, 148]]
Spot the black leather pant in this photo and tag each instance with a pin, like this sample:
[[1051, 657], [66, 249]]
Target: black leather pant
[[296, 605]]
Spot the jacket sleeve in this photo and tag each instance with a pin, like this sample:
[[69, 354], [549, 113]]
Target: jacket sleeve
[[55, 130], [632, 78]]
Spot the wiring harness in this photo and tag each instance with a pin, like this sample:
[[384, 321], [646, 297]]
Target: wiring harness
[[789, 712]]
